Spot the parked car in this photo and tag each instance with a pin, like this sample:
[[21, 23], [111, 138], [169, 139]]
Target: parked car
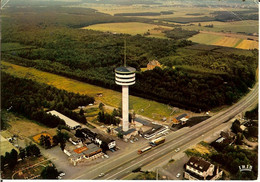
[[62, 174], [177, 150], [106, 156], [178, 175]]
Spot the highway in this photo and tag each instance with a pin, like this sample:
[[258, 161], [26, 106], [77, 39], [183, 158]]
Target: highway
[[123, 165]]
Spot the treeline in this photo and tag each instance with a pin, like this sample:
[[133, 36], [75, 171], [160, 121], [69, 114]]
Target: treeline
[[179, 33], [107, 118], [231, 158], [31, 98], [235, 15], [138, 14]]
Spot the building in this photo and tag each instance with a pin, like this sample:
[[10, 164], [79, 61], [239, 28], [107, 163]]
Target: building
[[181, 119], [104, 142], [69, 122], [152, 64], [226, 138], [199, 169], [89, 152], [132, 132], [149, 130]]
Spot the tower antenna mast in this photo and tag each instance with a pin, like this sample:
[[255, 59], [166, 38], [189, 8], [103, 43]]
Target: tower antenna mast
[[125, 55]]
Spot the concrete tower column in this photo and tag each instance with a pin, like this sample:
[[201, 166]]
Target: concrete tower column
[[125, 108]]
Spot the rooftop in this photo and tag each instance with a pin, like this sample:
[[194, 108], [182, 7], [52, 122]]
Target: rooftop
[[199, 164], [67, 120], [85, 150], [143, 121], [127, 69], [181, 116], [119, 129]]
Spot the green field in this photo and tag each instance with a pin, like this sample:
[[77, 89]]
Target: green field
[[141, 106], [247, 26], [208, 39], [132, 28]]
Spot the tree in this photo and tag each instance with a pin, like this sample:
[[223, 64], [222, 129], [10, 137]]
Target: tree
[[253, 131], [81, 112], [12, 161], [45, 141], [33, 150], [22, 154], [61, 138], [50, 172], [101, 106], [236, 127], [2, 162], [62, 145], [120, 135]]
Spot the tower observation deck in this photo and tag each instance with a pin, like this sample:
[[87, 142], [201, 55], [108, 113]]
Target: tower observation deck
[[125, 76]]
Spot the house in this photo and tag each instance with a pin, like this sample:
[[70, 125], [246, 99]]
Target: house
[[77, 154], [227, 137], [69, 122], [104, 142], [152, 64], [181, 119], [199, 169]]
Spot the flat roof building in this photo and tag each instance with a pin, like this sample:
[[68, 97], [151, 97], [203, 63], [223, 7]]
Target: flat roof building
[[69, 122]]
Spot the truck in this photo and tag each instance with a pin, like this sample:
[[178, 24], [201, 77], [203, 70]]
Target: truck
[[157, 141], [144, 150]]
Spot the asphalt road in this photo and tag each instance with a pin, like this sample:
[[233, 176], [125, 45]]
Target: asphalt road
[[123, 165]]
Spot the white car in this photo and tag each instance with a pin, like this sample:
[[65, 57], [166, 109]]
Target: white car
[[62, 174], [101, 174], [178, 175], [177, 150], [106, 156]]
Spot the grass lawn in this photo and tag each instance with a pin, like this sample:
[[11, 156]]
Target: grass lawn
[[6, 146], [141, 106], [132, 28], [25, 128]]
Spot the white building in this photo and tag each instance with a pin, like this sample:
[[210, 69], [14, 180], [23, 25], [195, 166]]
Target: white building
[[69, 122], [199, 169]]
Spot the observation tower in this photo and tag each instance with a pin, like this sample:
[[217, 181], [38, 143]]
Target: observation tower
[[125, 76]]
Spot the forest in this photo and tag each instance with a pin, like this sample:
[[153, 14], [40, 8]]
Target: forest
[[194, 80], [32, 99]]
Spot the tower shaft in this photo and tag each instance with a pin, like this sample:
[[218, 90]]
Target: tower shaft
[[125, 108]]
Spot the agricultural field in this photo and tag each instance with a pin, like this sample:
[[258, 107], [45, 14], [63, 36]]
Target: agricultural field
[[227, 40], [112, 98], [132, 28], [245, 26]]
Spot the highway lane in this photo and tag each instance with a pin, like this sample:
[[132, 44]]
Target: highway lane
[[123, 165]]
